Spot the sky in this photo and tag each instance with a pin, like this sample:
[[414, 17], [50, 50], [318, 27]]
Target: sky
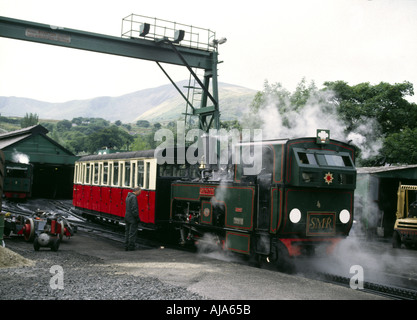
[[279, 41]]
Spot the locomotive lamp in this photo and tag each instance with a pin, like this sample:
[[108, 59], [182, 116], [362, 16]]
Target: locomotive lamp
[[295, 215], [344, 216]]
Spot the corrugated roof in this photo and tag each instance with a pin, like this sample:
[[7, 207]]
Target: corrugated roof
[[6, 142], [384, 169], [10, 138], [29, 130]]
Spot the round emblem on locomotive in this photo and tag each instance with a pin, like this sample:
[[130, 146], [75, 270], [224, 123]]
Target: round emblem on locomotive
[[206, 212], [328, 178]]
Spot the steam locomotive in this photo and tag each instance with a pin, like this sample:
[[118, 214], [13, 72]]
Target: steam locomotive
[[18, 180], [299, 198]]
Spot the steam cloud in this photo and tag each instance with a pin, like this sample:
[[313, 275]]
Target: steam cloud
[[19, 157], [318, 113]]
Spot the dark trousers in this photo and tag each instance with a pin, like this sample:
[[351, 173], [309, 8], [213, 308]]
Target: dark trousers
[[130, 235]]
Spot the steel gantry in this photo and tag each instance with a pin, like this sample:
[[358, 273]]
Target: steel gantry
[[144, 38]]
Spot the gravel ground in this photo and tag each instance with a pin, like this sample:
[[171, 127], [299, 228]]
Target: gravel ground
[[33, 276]]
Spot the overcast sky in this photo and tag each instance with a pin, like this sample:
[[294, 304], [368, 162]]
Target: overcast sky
[[279, 41]]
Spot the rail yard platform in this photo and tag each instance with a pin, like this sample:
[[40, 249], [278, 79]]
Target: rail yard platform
[[207, 276]]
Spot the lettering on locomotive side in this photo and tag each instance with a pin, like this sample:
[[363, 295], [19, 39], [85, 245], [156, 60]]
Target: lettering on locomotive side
[[321, 224], [205, 191]]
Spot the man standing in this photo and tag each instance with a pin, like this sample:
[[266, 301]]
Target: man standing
[[132, 218]]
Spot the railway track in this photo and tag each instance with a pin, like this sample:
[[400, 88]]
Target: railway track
[[380, 289], [115, 232]]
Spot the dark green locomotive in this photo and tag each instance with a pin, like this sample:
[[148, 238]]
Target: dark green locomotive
[[302, 197], [18, 180]]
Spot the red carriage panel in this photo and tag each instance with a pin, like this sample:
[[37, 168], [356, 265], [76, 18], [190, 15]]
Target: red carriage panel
[[146, 202], [105, 199], [116, 201], [95, 198]]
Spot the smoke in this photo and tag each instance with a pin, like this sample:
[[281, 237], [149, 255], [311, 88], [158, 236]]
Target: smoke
[[281, 119], [19, 157], [210, 246], [293, 122], [367, 138]]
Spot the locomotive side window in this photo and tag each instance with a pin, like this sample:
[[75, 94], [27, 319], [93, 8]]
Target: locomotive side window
[[334, 160], [307, 158], [16, 172], [194, 171]]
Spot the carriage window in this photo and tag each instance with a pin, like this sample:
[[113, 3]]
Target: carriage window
[[81, 175], [127, 174], [148, 171], [96, 175], [75, 180], [115, 174], [139, 173], [87, 174], [133, 172], [105, 173]]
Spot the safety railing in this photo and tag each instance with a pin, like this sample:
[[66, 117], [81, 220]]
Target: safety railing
[[137, 26]]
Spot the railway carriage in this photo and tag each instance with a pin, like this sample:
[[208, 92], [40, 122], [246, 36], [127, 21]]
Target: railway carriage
[[300, 198]]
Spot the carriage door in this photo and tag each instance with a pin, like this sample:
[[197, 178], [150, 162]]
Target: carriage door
[[147, 212], [264, 201]]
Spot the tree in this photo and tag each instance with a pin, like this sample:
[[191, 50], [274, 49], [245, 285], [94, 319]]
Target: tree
[[401, 147], [143, 123], [111, 137], [383, 102], [64, 125], [29, 120], [372, 117], [384, 112], [141, 143]]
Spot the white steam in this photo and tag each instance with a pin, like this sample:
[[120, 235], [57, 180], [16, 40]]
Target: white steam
[[367, 139], [19, 157], [318, 113], [302, 122]]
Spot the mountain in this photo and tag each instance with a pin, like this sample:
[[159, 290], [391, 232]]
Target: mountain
[[158, 104]]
